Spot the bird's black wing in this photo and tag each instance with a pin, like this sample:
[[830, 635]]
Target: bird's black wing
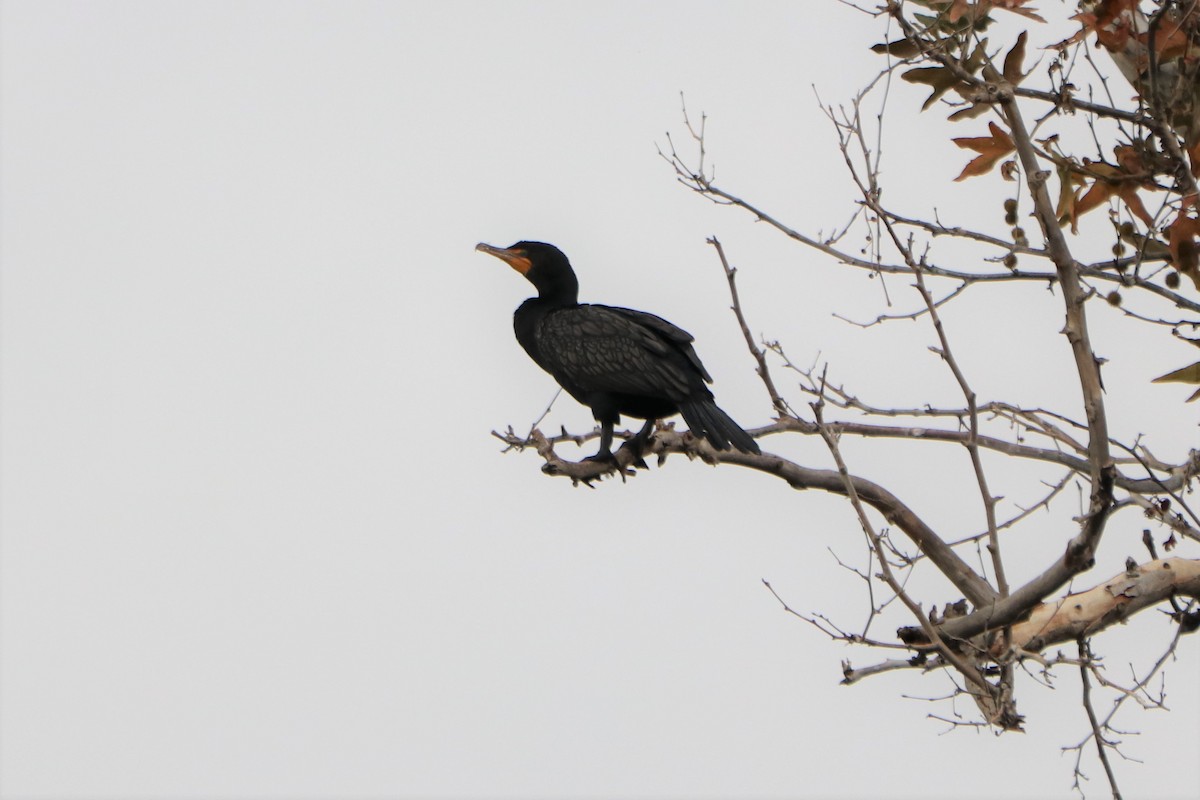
[[592, 348], [672, 333]]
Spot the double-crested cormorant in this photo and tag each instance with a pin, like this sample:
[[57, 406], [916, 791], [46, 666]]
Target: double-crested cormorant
[[614, 360]]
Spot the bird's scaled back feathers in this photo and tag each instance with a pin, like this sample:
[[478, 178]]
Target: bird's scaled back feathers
[[593, 348]]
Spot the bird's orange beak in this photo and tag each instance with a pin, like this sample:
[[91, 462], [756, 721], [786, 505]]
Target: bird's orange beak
[[514, 258]]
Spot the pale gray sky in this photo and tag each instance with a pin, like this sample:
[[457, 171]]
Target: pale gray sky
[[257, 539]]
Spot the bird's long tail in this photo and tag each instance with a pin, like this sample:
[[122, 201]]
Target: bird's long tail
[[707, 420]]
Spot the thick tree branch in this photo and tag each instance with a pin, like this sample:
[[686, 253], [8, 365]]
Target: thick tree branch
[[992, 700], [1086, 613]]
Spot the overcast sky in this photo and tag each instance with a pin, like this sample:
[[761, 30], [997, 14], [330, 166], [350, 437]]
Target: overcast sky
[[257, 540]]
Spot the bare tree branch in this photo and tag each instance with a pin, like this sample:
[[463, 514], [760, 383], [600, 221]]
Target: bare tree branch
[[1102, 744], [764, 372]]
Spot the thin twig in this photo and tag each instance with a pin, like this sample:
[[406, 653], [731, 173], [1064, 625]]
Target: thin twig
[[763, 370], [1102, 744]]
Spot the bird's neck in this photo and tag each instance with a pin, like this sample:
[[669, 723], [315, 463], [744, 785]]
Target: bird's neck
[[557, 290]]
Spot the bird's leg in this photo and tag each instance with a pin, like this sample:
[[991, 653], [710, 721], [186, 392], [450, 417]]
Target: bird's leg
[[643, 436], [605, 453], [638, 444]]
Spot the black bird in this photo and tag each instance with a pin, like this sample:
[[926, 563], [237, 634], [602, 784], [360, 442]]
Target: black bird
[[614, 360]]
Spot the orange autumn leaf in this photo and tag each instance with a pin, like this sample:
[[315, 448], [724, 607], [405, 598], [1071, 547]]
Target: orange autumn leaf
[[959, 9], [990, 148], [1130, 159], [1170, 40], [1172, 37], [1102, 190], [1128, 193], [1122, 181], [1110, 20], [1087, 23], [1115, 38]]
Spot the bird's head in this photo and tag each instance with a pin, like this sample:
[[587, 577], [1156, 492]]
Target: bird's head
[[544, 265]]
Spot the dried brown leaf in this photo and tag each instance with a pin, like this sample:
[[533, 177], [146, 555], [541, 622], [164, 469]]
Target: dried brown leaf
[[1015, 60], [990, 148]]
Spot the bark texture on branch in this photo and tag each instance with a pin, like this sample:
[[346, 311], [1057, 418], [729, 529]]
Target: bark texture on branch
[[1115, 600]]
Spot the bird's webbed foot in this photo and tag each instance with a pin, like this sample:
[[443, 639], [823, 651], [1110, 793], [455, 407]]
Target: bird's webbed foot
[[634, 447], [607, 460], [605, 457]]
